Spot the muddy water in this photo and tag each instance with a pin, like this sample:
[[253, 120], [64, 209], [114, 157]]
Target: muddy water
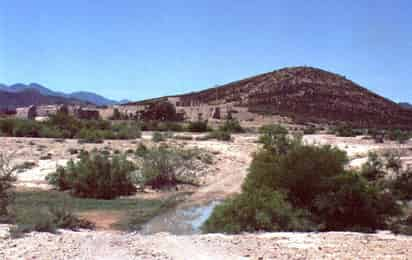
[[180, 221]]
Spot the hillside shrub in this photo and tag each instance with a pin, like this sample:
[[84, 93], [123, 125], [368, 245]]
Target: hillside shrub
[[95, 176]]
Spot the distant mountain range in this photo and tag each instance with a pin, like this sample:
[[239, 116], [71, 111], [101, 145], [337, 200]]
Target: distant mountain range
[[406, 105], [12, 100], [84, 96]]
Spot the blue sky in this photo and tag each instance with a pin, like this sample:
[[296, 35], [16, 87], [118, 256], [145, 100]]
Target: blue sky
[[140, 49]]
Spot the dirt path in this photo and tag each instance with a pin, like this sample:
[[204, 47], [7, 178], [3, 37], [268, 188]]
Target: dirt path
[[231, 163]]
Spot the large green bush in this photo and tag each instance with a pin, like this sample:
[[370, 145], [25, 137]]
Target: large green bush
[[95, 176], [256, 211], [291, 186]]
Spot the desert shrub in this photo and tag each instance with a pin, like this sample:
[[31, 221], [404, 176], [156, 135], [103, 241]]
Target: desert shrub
[[7, 126], [351, 203], [26, 128], [183, 137], [95, 176], [403, 226], [258, 211], [219, 135], [158, 137], [276, 138], [319, 193], [344, 130], [141, 150], [399, 136], [373, 169], [90, 136], [126, 131], [7, 178], [401, 186], [47, 219], [197, 126], [232, 126], [393, 161], [310, 130], [165, 167]]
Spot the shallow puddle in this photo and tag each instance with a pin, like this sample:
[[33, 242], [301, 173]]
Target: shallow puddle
[[180, 221]]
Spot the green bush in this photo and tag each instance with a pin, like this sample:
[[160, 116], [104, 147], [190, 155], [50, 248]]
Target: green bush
[[26, 128], [197, 126], [373, 169], [126, 131], [7, 178], [344, 130], [256, 211], [310, 189], [90, 136], [276, 138], [47, 219], [95, 176], [164, 167], [401, 186], [232, 126], [141, 150], [399, 136], [158, 137]]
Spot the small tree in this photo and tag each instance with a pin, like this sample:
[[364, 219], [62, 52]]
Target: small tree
[[6, 182]]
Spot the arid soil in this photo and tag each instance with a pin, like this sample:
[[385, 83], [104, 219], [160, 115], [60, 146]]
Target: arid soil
[[231, 160], [111, 245]]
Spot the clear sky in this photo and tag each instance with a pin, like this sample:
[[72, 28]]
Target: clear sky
[[138, 49]]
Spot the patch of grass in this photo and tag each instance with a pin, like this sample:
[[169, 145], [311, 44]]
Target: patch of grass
[[137, 210]]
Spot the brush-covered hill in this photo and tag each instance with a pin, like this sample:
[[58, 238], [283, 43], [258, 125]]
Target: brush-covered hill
[[307, 94]]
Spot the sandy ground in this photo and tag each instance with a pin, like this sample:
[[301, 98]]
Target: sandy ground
[[230, 167], [110, 245]]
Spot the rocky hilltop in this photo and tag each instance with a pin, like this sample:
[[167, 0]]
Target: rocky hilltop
[[305, 94]]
